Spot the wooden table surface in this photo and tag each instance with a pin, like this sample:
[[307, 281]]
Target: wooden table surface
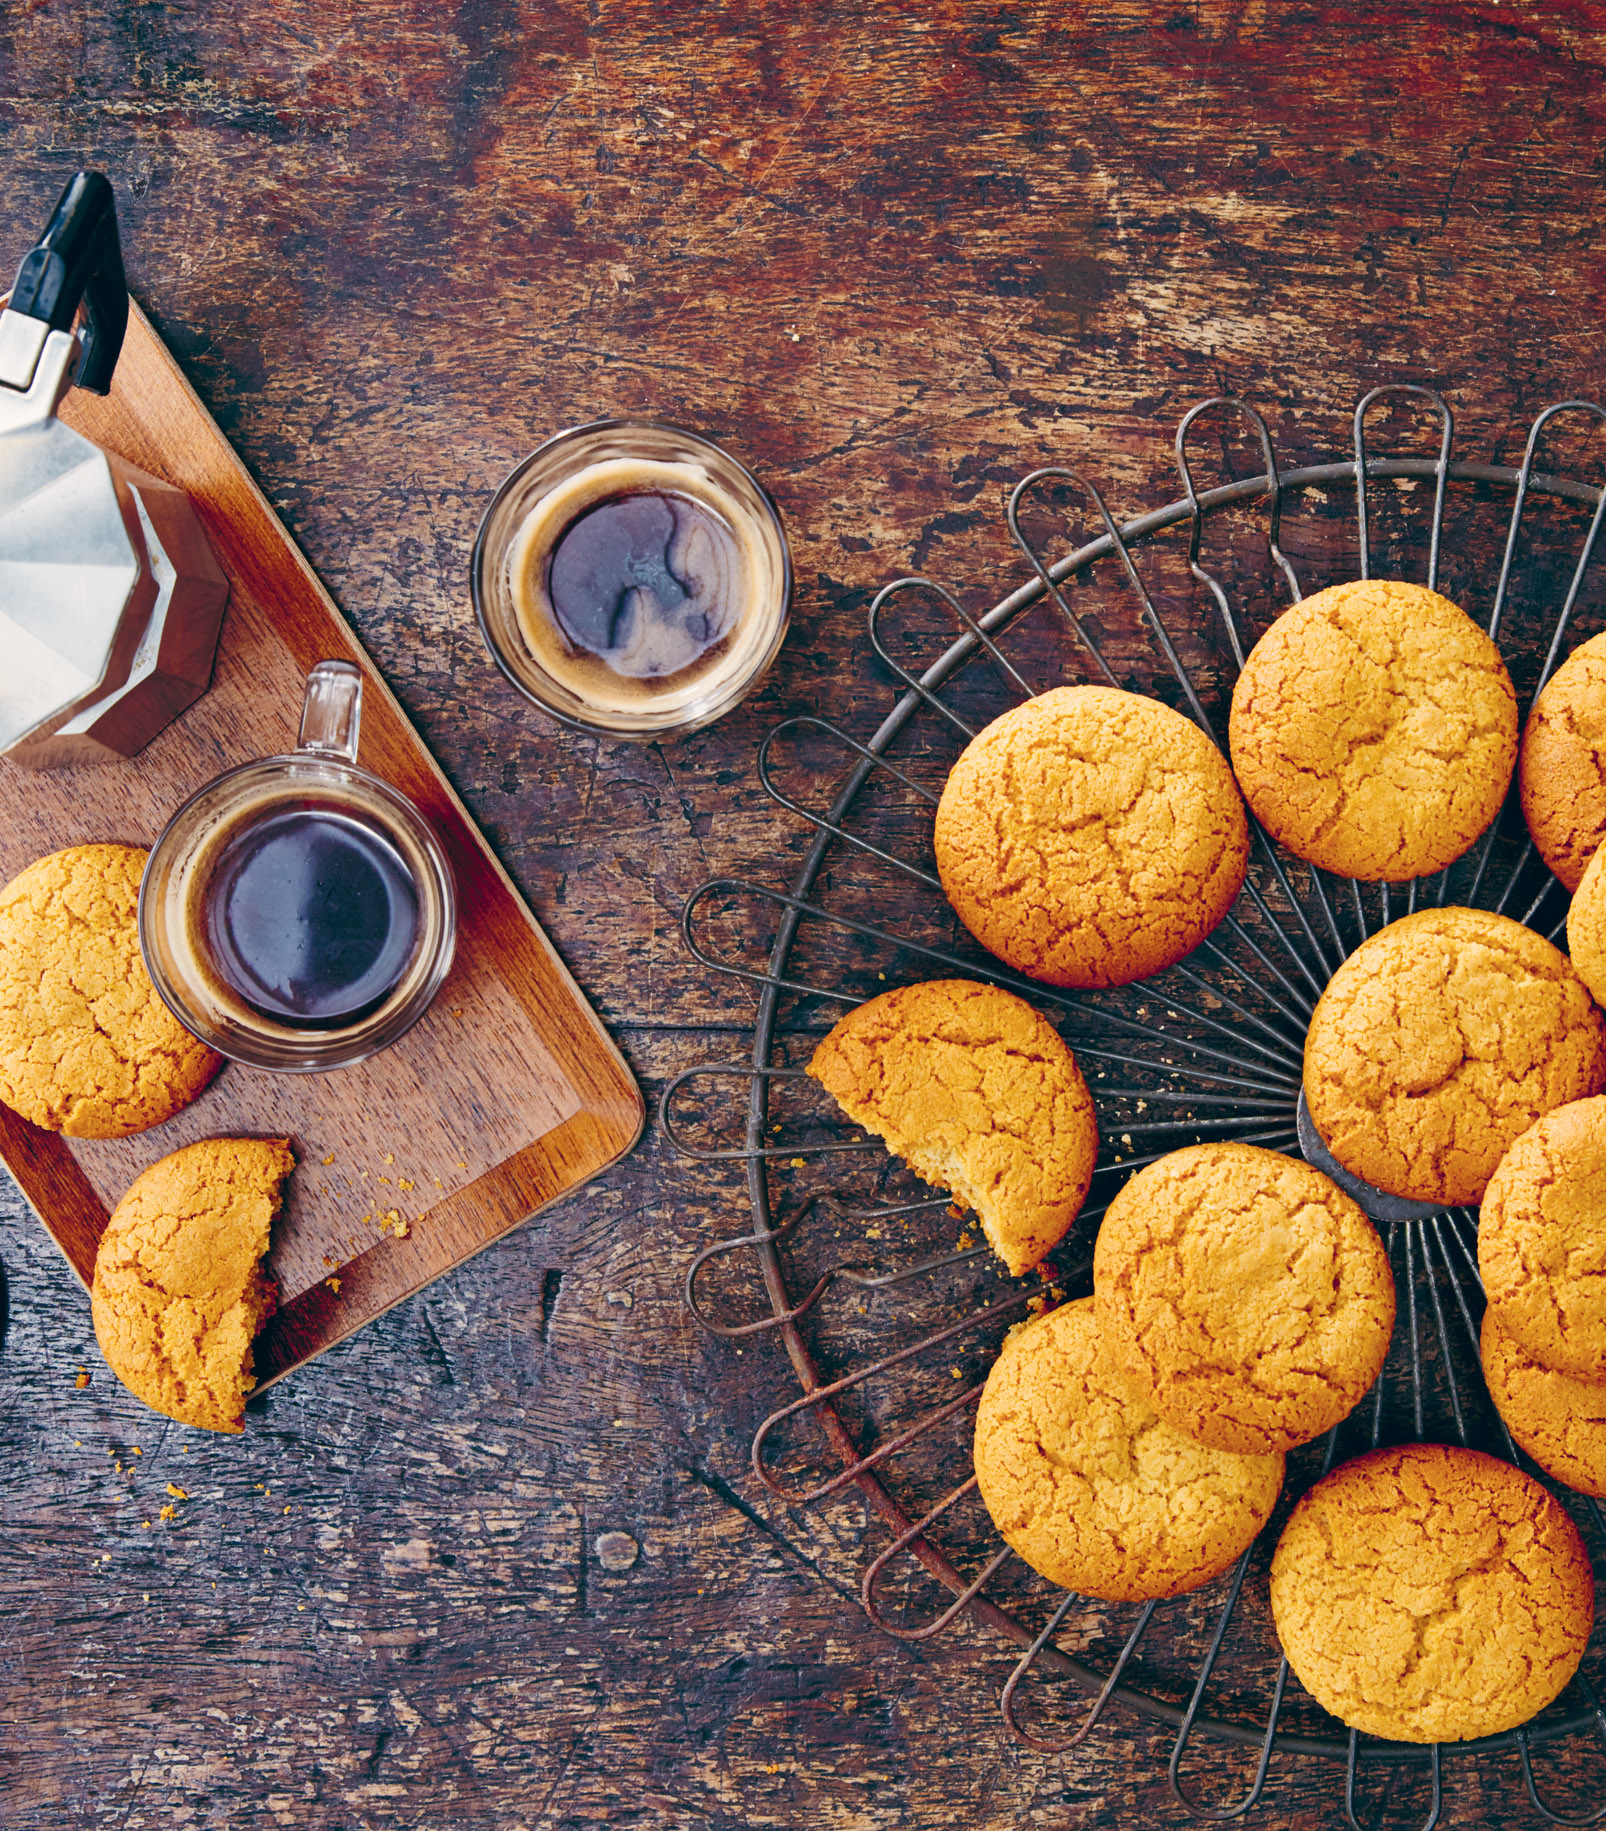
[[499, 1561]]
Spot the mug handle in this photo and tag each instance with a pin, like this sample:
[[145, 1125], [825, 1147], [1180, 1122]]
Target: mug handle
[[331, 713]]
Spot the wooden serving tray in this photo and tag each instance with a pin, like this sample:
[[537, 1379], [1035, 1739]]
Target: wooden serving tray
[[506, 1095]]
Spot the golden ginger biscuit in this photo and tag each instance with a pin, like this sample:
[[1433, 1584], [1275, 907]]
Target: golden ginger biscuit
[[1542, 1240], [1430, 1594], [1374, 729], [86, 1046], [1091, 837], [1439, 1042], [1586, 927], [1092, 1488], [976, 1091], [1561, 775], [1244, 1295], [179, 1292], [1559, 1421]]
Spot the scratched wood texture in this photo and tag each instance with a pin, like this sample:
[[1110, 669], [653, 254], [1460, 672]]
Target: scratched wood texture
[[498, 1561]]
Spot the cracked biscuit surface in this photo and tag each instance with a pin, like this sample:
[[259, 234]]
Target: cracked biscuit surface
[[86, 1046], [1374, 729], [1586, 927], [1559, 1421], [1093, 1489], [1542, 1241], [1429, 1594], [978, 1094], [1091, 837], [1439, 1042], [179, 1292], [1561, 775], [1244, 1294]]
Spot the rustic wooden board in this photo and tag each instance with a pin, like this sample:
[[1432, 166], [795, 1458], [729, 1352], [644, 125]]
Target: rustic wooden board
[[505, 1096]]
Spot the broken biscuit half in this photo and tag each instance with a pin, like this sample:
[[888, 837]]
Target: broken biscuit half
[[179, 1293], [974, 1089]]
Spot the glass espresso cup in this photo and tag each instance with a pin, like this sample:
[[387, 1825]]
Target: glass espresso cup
[[632, 578], [298, 913]]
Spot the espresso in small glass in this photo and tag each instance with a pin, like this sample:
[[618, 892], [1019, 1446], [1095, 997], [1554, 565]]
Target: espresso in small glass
[[632, 578], [307, 913], [298, 913]]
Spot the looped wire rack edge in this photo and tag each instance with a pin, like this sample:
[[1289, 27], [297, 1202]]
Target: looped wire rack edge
[[1328, 921]]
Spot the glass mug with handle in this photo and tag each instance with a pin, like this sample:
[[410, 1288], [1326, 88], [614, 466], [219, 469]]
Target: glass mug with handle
[[297, 912]]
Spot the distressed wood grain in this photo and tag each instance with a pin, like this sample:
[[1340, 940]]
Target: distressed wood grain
[[893, 262]]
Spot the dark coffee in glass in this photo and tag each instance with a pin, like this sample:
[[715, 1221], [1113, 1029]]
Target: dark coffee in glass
[[310, 914]]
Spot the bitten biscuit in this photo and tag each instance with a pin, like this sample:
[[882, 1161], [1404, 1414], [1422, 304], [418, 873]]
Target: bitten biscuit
[[1430, 1594], [86, 1046], [179, 1292], [1091, 837], [1244, 1295], [1374, 729], [1560, 1422], [1542, 1240], [1092, 1488], [1586, 927], [1439, 1042], [1562, 773], [976, 1091]]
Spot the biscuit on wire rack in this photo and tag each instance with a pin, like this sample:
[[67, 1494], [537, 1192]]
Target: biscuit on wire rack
[[977, 1092], [1244, 1295], [1541, 1242], [1561, 774], [1093, 1489], [1091, 837], [1439, 1042], [1374, 729], [1429, 1593]]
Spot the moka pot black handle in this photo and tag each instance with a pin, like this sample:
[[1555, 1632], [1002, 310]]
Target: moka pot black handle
[[77, 260]]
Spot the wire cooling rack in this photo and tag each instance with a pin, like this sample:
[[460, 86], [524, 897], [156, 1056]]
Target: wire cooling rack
[[890, 1323]]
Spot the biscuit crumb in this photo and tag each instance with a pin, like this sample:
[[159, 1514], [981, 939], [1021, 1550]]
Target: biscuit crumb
[[334, 1285], [400, 1230], [329, 1159], [168, 1512], [83, 1379], [137, 1450], [390, 1157], [176, 1491], [403, 1182]]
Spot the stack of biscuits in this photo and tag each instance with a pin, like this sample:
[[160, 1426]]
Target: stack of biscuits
[[1131, 1445]]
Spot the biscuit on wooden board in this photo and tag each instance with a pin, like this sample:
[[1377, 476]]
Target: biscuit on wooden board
[[86, 1045], [1439, 1042], [1429, 1593], [178, 1293], [1091, 1487], [1374, 729], [979, 1094], [1091, 837], [1244, 1295]]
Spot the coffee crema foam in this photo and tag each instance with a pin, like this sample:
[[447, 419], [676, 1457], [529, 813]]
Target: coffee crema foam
[[640, 580]]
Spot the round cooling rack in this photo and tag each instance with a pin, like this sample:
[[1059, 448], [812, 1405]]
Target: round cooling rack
[[891, 1323]]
